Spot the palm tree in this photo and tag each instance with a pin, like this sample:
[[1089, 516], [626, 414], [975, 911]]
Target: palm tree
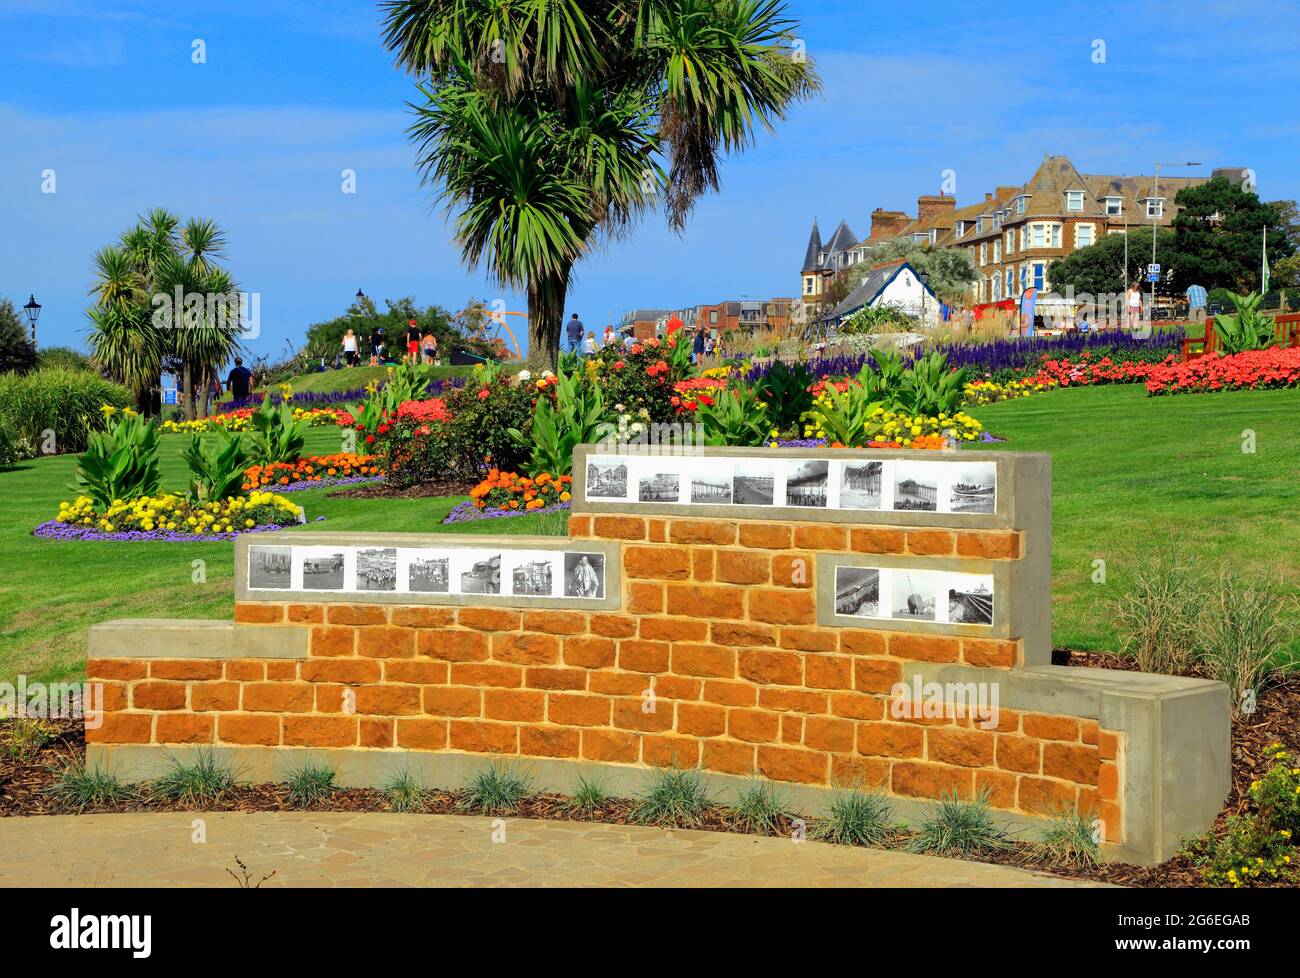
[[549, 127]]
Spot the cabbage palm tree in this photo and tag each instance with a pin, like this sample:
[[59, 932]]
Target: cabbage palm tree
[[549, 127]]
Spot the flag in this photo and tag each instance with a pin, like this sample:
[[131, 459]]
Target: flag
[[1264, 277]]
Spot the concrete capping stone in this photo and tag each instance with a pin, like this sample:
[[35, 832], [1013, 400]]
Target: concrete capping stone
[[180, 638], [612, 549], [364, 767], [1175, 762]]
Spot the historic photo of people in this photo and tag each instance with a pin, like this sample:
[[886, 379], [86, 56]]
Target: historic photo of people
[[754, 484], [974, 487], [659, 487], [860, 485], [584, 575], [916, 486], [913, 594], [377, 569], [270, 567], [483, 575], [806, 482], [606, 480], [857, 591], [533, 576], [431, 575], [970, 598], [322, 570]]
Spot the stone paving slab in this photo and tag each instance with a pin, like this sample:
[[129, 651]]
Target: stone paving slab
[[339, 849]]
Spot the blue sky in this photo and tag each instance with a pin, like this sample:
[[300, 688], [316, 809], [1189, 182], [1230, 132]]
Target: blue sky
[[104, 93]]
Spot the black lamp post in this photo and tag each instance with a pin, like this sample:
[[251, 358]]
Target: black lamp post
[[33, 311]]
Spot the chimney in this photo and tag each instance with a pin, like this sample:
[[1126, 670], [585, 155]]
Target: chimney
[[988, 198], [931, 208], [886, 224]]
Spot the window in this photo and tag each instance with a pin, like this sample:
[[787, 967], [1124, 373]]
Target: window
[[1011, 282], [713, 313], [979, 225], [1040, 277], [1045, 235], [997, 250], [1084, 235], [997, 219], [807, 289], [1074, 200], [1114, 206], [1024, 238], [1024, 277], [982, 254], [1021, 203], [1155, 207], [1011, 242], [997, 288], [961, 228]]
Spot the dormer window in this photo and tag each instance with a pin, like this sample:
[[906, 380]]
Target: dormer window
[[979, 225], [1074, 200], [1155, 207], [961, 228], [1114, 206], [1022, 202]]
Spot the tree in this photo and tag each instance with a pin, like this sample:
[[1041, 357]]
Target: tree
[[17, 354], [325, 339], [549, 127], [948, 271], [1219, 231], [1099, 269], [136, 324]]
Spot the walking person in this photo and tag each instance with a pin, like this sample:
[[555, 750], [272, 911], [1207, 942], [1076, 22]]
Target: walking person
[[1133, 303], [412, 341], [350, 348], [589, 344], [378, 348], [1197, 300], [573, 329], [430, 348]]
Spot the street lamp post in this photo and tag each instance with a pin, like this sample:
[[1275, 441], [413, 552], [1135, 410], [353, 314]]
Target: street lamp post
[[33, 311], [1155, 193]]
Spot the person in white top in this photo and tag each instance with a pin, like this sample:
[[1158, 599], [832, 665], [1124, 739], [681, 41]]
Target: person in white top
[[1133, 300], [589, 344], [350, 348]]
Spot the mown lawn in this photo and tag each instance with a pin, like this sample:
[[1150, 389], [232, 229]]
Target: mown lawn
[[1133, 474], [52, 591]]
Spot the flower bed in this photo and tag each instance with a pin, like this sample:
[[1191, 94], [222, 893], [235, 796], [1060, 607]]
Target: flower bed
[[465, 512], [511, 492], [238, 420], [314, 472], [894, 429], [988, 392], [168, 516], [1254, 369], [1088, 371]]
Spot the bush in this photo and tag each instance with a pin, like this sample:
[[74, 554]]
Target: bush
[[404, 793], [483, 412], [1067, 841], [200, 781], [64, 357], [121, 462], [1156, 617], [77, 786], [63, 402], [277, 435], [759, 807], [16, 350], [675, 797], [496, 789], [311, 782], [1241, 637], [959, 828], [855, 818], [590, 795], [218, 472]]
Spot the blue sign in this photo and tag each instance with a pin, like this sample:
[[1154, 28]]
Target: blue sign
[[169, 395], [1153, 277]]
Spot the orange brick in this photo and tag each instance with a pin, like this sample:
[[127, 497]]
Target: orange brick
[[453, 701], [669, 751], [674, 629], [677, 687], [729, 694], [828, 733], [526, 648], [755, 726], [796, 700], [864, 773], [121, 728], [282, 671], [657, 563], [419, 671], [636, 714], [388, 700], [335, 699], [484, 738], [317, 731], [116, 669], [325, 641], [610, 745], [185, 669], [828, 671], [645, 599], [1112, 825], [618, 527], [549, 742], [963, 748], [999, 786], [241, 729], [1089, 732], [782, 607], [917, 779], [245, 669], [1021, 754], [765, 536], [780, 668], [158, 696], [1107, 745], [638, 656], [788, 764], [278, 697], [570, 709], [579, 526], [305, 613], [214, 696], [793, 570], [555, 622], [1071, 762], [728, 757], [422, 734], [701, 566], [993, 546], [701, 720], [877, 540], [978, 652], [857, 706], [452, 645], [743, 567], [656, 531], [258, 614], [613, 626], [938, 543], [546, 677], [515, 705], [923, 648], [705, 601], [485, 674], [738, 633], [489, 619], [876, 675], [1043, 797], [423, 617], [818, 536], [589, 653], [376, 732], [809, 639], [617, 683], [715, 532], [357, 614], [862, 643], [183, 728], [1108, 781], [713, 661], [890, 740], [791, 729], [1046, 727]]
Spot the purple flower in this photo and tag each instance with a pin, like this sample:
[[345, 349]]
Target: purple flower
[[467, 511], [54, 530], [324, 483]]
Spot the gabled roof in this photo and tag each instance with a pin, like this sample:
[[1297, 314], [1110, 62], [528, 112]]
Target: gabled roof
[[842, 240], [812, 257], [870, 288], [1056, 176]]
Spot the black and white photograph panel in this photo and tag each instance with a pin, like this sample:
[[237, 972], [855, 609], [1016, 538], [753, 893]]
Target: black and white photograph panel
[[482, 575], [857, 591], [658, 485], [584, 575], [322, 570], [969, 598], [913, 593], [709, 481], [430, 574], [606, 479], [973, 487], [806, 483], [916, 486], [753, 483], [270, 567], [532, 575], [861, 485], [377, 569]]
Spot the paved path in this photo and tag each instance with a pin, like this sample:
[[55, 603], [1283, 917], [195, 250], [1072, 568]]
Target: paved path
[[340, 849]]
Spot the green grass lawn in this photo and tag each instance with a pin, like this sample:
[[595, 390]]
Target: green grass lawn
[[52, 591], [1132, 474], [350, 378]]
